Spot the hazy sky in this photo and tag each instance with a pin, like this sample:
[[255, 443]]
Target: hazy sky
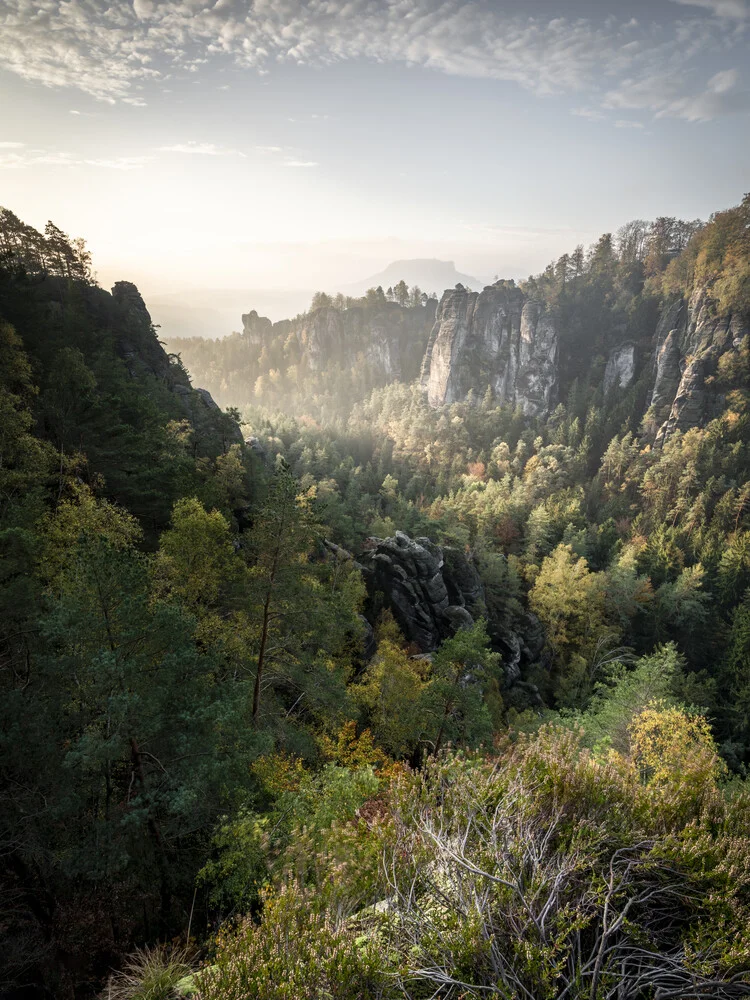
[[308, 142]]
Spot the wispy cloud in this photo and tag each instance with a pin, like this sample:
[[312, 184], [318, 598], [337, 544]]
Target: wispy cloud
[[734, 9], [25, 158], [300, 163], [592, 114], [199, 149], [118, 162], [115, 51], [665, 95], [628, 123]]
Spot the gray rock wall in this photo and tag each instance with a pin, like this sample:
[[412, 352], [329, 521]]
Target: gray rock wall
[[690, 339], [432, 592], [391, 339], [496, 338], [620, 368]]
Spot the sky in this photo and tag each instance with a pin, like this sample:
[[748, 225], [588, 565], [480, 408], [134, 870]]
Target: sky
[[306, 143]]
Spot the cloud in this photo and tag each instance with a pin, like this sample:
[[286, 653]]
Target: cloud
[[300, 163], [199, 149], [722, 83], [51, 158], [118, 162], [117, 51], [12, 145], [591, 113], [628, 123], [664, 95], [734, 9]]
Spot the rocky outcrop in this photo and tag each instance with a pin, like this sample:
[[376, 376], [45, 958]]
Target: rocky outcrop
[[256, 329], [496, 338], [690, 339], [143, 353], [620, 367], [431, 591], [135, 336], [389, 338]]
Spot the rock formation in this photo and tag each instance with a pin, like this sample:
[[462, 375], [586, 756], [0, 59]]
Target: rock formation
[[496, 338], [431, 591], [390, 338], [516, 346], [256, 329], [501, 339], [689, 340], [620, 367]]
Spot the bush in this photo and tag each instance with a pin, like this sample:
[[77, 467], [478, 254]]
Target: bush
[[150, 974], [296, 952]]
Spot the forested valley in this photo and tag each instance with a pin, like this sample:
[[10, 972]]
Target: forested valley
[[421, 669]]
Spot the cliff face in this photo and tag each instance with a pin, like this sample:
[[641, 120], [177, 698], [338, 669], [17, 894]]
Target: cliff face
[[516, 345], [620, 368], [143, 354], [496, 338], [501, 339], [689, 340], [390, 338]]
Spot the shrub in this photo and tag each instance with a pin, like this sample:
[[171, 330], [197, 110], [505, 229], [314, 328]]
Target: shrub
[[149, 974], [296, 952]]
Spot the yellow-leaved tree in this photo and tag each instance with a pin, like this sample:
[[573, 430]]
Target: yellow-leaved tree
[[676, 759], [570, 602]]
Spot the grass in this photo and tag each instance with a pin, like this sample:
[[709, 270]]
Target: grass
[[149, 974]]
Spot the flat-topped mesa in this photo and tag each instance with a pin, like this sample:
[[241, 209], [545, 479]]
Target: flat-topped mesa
[[497, 338]]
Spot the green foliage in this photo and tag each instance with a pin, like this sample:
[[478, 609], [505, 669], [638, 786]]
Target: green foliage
[[150, 974], [392, 694], [296, 952], [463, 670], [540, 870], [191, 729], [718, 256], [297, 834], [627, 692]]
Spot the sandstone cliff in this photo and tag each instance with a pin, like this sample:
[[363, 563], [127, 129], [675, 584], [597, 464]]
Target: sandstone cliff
[[496, 338], [502, 339], [689, 341], [390, 339]]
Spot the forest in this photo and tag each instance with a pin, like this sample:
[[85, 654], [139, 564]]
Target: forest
[[336, 693]]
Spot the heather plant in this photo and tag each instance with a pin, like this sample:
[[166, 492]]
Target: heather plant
[[548, 873], [297, 951], [543, 870]]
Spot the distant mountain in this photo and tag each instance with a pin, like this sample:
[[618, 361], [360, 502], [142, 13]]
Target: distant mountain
[[431, 275]]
